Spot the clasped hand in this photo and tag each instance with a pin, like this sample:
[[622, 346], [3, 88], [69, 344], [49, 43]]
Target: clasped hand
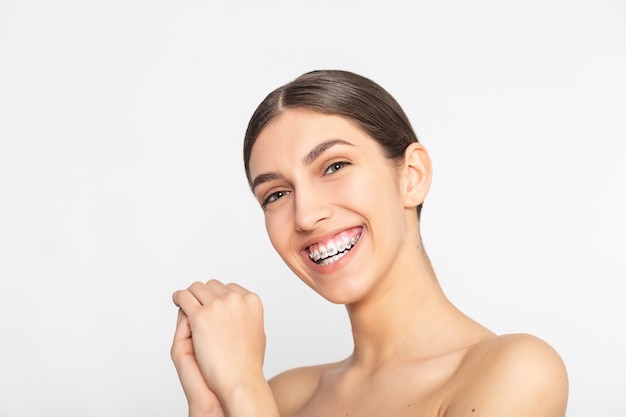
[[219, 343]]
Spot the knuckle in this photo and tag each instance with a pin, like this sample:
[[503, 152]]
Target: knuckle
[[231, 296], [251, 297], [254, 301], [196, 284]]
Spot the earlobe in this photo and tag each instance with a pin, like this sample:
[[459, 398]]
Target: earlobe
[[417, 170]]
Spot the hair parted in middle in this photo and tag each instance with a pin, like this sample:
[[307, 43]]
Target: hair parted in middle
[[341, 93]]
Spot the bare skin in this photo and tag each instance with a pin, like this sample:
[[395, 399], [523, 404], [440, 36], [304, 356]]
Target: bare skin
[[415, 354], [463, 382]]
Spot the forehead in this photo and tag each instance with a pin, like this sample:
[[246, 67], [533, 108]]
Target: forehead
[[295, 132]]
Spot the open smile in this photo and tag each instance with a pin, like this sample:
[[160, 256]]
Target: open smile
[[331, 250]]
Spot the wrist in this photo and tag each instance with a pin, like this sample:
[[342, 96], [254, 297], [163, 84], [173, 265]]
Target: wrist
[[205, 408], [205, 411], [252, 397]]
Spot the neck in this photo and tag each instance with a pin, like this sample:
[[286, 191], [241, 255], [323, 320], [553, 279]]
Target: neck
[[408, 316]]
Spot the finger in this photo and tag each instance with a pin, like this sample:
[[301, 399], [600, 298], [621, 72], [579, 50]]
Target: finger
[[217, 287], [205, 293], [185, 300], [183, 331], [237, 288], [183, 356], [174, 299]]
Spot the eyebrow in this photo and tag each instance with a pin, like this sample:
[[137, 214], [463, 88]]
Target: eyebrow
[[307, 160], [268, 176], [321, 148]]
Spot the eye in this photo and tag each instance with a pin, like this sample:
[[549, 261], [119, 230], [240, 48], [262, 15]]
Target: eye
[[273, 197], [335, 166]]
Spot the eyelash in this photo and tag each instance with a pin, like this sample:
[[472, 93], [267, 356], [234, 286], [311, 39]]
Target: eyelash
[[336, 166], [273, 197], [331, 169]]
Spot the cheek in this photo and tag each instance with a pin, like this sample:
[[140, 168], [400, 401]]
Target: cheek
[[271, 231], [375, 192], [278, 232]]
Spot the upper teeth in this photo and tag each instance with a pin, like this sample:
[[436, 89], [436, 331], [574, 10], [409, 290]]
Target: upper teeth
[[333, 248]]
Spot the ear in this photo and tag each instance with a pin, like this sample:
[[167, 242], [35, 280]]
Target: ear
[[416, 174]]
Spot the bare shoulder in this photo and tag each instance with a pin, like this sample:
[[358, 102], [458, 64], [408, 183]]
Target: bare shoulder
[[293, 388], [513, 375]]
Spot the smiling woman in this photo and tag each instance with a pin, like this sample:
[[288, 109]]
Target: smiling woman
[[338, 171]]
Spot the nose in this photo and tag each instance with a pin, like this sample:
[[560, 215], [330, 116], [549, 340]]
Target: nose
[[310, 209]]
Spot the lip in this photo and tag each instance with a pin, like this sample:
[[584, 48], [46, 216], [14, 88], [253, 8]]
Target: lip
[[328, 269]]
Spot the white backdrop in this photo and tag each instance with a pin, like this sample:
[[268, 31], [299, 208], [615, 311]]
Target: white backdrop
[[121, 180]]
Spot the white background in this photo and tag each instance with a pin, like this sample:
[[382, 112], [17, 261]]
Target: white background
[[121, 180]]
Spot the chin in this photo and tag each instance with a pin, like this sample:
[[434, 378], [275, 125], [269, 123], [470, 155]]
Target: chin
[[338, 294]]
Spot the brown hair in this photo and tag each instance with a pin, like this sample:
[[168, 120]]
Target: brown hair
[[341, 93]]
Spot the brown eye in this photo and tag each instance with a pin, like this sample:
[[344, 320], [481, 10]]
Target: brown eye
[[335, 166], [273, 197]]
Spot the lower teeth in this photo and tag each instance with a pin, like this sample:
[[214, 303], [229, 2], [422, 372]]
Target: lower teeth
[[332, 259]]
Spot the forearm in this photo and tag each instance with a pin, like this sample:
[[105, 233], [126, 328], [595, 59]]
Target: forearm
[[204, 411], [253, 398]]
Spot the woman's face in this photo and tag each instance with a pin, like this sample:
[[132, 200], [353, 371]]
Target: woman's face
[[333, 203]]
